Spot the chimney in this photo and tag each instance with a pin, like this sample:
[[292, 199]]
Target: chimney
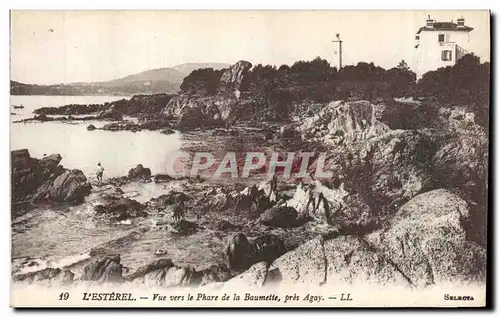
[[461, 22], [429, 22]]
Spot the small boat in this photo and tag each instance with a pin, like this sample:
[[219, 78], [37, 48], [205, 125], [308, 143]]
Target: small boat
[[19, 107]]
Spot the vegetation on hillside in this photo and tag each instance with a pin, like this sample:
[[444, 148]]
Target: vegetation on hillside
[[276, 90]]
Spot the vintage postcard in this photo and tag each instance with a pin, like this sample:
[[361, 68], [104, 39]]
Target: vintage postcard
[[249, 158]]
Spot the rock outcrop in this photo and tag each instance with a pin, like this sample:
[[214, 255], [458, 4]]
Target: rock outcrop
[[139, 173], [45, 180], [427, 241], [242, 253], [120, 209], [47, 276], [233, 78], [107, 269], [342, 122]]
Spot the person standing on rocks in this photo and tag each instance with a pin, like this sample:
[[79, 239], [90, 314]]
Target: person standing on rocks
[[100, 172]]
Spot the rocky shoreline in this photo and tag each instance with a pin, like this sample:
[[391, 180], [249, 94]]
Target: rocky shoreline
[[405, 205]]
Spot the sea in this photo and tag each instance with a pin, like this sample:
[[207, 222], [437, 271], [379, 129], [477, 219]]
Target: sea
[[62, 235]]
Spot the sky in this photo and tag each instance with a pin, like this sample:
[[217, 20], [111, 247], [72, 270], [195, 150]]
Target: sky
[[50, 47]]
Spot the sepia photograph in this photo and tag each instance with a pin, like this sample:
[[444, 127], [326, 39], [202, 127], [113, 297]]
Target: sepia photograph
[[239, 158]]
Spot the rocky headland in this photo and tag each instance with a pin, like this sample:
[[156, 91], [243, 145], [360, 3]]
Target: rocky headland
[[406, 203]]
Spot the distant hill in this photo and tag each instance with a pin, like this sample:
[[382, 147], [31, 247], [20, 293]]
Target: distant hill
[[160, 80]]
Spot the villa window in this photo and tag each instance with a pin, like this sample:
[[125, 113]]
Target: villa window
[[441, 38], [446, 55]]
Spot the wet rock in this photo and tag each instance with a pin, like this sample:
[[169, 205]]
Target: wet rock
[[267, 248], [289, 132], [237, 252], [119, 209], [242, 253], [280, 216], [224, 132], [167, 131], [118, 181], [139, 172], [184, 227], [28, 174], [224, 225], [160, 252], [161, 178], [121, 126], [427, 241], [151, 267], [91, 127], [71, 186], [163, 273], [52, 276], [72, 109], [171, 198], [107, 269]]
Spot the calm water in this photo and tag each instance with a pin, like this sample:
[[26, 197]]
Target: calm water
[[57, 235], [81, 149]]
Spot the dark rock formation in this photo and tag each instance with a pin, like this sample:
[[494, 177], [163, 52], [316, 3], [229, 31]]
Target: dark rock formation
[[45, 179], [237, 252], [91, 127], [184, 227], [242, 253], [171, 198], [426, 239], [139, 173], [167, 131], [119, 209], [73, 109], [107, 269], [280, 216], [162, 178], [71, 186]]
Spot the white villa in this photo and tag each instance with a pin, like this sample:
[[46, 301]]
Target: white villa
[[440, 44]]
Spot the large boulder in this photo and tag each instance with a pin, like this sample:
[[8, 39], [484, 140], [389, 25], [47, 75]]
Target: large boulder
[[139, 173], [191, 119], [237, 252], [107, 269], [71, 186], [280, 216], [242, 253], [164, 273], [426, 240], [120, 209], [44, 179]]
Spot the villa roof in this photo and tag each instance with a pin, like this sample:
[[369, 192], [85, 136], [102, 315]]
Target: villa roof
[[445, 26]]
